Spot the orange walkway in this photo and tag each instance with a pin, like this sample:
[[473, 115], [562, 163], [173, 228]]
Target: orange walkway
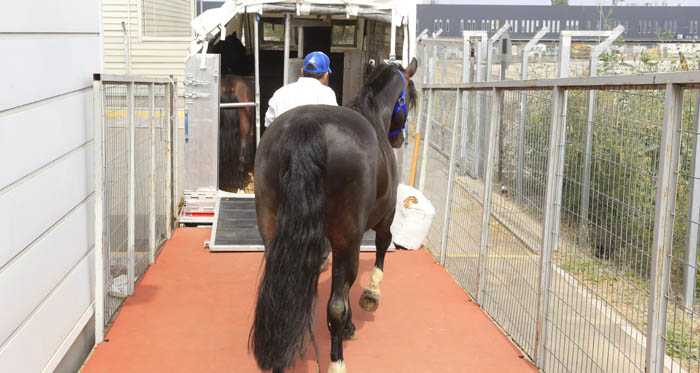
[[193, 309]]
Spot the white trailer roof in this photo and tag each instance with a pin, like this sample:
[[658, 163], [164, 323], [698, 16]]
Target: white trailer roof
[[208, 24]]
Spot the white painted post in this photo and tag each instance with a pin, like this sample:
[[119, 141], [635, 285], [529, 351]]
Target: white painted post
[[256, 41], [496, 107], [287, 35], [558, 107], [131, 209], [152, 207], [666, 189], [404, 53], [173, 154], [300, 42], [99, 181], [392, 46]]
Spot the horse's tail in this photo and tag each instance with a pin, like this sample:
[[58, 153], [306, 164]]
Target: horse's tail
[[229, 141], [288, 288]]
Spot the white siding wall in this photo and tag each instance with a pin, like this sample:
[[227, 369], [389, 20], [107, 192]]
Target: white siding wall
[[150, 56], [46, 187]]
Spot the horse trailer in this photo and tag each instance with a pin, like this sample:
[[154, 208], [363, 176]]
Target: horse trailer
[[265, 42]]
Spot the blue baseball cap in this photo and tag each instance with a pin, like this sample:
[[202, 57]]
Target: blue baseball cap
[[317, 62]]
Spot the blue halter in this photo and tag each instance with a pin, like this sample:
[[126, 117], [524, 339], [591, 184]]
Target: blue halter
[[401, 105]]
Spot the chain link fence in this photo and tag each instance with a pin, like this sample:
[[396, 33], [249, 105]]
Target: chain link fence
[[133, 132]]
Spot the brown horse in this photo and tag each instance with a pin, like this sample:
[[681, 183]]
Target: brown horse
[[324, 176], [236, 140]]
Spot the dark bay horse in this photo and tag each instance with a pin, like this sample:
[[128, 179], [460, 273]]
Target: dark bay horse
[[236, 142], [324, 176]]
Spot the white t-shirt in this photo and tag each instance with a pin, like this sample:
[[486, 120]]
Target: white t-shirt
[[305, 91]]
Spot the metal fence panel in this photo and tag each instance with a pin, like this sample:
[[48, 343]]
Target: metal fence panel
[[609, 287], [116, 176], [133, 120]]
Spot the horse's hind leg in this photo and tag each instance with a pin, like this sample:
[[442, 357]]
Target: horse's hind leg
[[345, 265], [369, 301]]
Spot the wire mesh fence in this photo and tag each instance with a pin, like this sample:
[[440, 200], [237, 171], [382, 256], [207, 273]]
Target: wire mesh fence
[[133, 132], [560, 233]]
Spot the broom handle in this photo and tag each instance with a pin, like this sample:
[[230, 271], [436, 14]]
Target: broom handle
[[414, 164]]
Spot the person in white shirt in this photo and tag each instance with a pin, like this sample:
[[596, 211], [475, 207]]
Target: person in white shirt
[[310, 89]]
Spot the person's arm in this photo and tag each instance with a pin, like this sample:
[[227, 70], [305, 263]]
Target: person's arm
[[271, 114]]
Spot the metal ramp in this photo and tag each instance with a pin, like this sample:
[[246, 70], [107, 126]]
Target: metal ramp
[[236, 227]]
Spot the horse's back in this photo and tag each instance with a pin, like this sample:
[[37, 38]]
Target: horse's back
[[351, 162]]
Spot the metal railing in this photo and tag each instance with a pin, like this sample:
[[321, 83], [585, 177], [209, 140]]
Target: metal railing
[[134, 127], [623, 297]]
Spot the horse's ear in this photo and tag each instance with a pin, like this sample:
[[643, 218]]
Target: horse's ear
[[411, 69]]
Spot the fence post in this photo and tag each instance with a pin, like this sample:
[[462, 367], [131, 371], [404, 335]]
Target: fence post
[[131, 209], [480, 102], [691, 253], [558, 106], [256, 47], [523, 115], [98, 173], [466, 78], [450, 180], [171, 172], [564, 57], [152, 207], [666, 190], [426, 141], [496, 108], [586, 182]]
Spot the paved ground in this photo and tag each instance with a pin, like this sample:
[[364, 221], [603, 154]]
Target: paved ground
[[193, 309]]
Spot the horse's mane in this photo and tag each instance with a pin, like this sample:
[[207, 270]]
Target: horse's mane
[[376, 80]]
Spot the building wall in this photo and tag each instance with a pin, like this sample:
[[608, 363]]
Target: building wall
[[642, 23], [155, 56], [46, 185]]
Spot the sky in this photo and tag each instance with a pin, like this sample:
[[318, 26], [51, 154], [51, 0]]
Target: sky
[[572, 2]]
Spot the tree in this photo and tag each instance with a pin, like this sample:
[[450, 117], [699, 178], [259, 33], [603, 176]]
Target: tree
[[560, 2]]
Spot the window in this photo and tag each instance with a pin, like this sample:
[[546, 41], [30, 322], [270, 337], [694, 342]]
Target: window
[[435, 25], [273, 30], [447, 26], [171, 19], [577, 24], [344, 34], [440, 24], [558, 26]]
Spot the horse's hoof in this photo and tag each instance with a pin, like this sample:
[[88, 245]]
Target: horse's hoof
[[350, 334], [369, 301], [337, 367]]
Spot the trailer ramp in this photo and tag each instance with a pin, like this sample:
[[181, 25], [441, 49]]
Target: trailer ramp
[[236, 226]]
